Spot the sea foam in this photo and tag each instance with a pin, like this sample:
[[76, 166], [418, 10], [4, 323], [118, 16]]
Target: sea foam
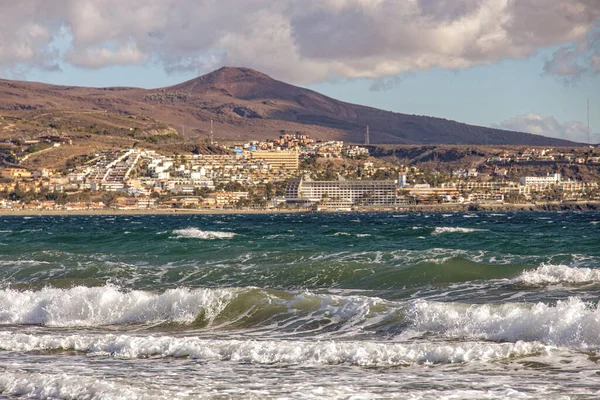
[[363, 353], [195, 233], [63, 386], [550, 274]]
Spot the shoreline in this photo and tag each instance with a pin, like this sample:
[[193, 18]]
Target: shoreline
[[481, 207]]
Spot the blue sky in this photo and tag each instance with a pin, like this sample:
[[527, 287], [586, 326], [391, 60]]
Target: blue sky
[[528, 65]]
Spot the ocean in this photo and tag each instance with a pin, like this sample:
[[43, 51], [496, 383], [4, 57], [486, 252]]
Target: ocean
[[301, 306]]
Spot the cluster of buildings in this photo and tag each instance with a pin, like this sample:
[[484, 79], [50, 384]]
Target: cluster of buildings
[[528, 188], [345, 194], [305, 146], [142, 172], [143, 179], [549, 155]]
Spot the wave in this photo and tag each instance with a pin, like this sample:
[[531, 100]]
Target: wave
[[447, 229], [107, 305], [569, 323], [22, 262], [195, 233], [551, 274], [369, 270], [361, 353], [294, 270], [228, 308], [358, 235]]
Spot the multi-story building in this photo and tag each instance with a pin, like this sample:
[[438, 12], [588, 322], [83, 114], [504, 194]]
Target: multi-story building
[[550, 179], [375, 193], [284, 159]]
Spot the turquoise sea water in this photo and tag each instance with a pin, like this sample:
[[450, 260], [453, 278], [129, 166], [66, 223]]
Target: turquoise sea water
[[300, 306]]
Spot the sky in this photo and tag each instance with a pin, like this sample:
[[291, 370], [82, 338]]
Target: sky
[[526, 65]]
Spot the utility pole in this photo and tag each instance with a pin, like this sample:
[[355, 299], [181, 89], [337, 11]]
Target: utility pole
[[367, 138], [212, 138]]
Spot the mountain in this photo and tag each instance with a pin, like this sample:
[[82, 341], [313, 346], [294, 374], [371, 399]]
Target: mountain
[[246, 104]]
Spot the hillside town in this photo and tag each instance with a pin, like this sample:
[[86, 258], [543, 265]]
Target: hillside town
[[292, 172]]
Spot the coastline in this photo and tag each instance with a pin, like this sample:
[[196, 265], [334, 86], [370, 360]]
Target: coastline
[[480, 207]]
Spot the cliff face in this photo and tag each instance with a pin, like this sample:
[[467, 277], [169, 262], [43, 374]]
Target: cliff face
[[245, 104]]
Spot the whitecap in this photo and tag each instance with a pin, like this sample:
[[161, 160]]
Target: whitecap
[[341, 234], [551, 274], [447, 229], [195, 233]]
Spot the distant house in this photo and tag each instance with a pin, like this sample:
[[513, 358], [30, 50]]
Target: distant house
[[14, 173]]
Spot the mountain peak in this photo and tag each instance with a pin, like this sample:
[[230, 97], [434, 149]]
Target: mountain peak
[[238, 82], [234, 73]]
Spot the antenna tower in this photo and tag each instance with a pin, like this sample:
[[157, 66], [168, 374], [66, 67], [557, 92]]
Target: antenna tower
[[588, 121], [367, 138], [212, 138]]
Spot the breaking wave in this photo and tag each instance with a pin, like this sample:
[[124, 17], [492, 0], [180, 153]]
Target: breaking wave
[[550, 274], [569, 323], [281, 314], [227, 308], [107, 305]]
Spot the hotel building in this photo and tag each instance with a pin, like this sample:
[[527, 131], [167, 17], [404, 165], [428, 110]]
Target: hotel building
[[342, 193]]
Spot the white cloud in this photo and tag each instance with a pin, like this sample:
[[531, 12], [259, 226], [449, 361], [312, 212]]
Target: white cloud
[[93, 58], [26, 32], [548, 126], [302, 41]]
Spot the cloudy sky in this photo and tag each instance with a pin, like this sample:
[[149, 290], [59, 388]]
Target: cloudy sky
[[526, 65]]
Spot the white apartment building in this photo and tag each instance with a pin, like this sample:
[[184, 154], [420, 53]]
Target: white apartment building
[[550, 179]]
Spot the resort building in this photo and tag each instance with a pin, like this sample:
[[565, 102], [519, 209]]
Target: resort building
[[342, 193]]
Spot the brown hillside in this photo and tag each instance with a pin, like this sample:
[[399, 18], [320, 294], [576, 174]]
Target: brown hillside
[[246, 104]]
